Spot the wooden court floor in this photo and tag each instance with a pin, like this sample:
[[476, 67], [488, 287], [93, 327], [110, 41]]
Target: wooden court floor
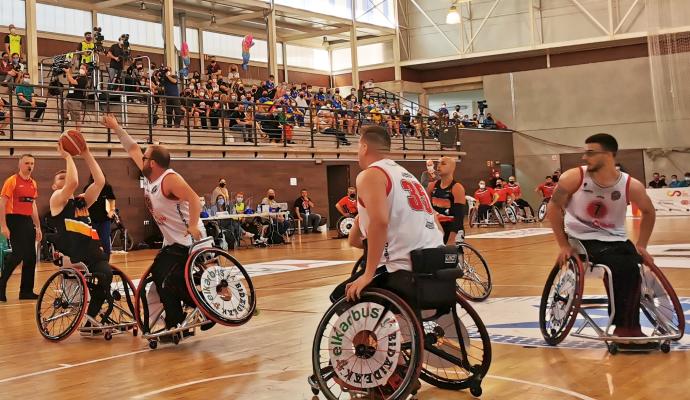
[[269, 358]]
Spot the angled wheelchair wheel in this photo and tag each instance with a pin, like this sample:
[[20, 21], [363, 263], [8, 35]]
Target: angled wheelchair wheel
[[532, 216], [122, 293], [475, 283], [473, 217], [457, 347], [61, 304], [344, 225], [368, 349], [220, 287], [660, 303], [560, 301], [149, 312], [291, 226], [541, 213], [510, 215], [497, 216]]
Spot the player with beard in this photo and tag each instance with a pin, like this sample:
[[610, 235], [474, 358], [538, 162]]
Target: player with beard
[[594, 199], [176, 208]]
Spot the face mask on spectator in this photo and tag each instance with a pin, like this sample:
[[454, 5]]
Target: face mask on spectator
[[271, 197], [239, 199], [27, 79], [511, 181], [687, 177], [234, 97], [221, 202], [201, 93], [15, 60], [353, 196]]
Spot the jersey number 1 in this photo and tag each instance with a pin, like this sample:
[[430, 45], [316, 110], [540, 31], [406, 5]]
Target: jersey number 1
[[417, 198]]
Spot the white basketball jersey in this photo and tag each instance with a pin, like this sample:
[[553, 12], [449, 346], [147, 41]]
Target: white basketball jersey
[[172, 216], [598, 213], [411, 223]]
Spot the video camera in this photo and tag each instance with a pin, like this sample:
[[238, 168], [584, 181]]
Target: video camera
[[60, 63], [481, 104], [98, 39], [125, 44]]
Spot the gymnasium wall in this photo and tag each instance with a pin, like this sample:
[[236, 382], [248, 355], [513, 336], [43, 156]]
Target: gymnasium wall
[[555, 109]]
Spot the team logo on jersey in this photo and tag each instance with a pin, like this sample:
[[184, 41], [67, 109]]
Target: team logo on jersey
[[515, 320], [154, 189], [616, 195]]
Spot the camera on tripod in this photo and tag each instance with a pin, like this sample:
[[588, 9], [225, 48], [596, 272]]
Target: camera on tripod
[[127, 55], [60, 63], [98, 39], [481, 104]]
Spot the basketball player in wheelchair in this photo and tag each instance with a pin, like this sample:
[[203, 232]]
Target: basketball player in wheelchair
[[382, 332], [85, 265], [588, 215], [347, 207]]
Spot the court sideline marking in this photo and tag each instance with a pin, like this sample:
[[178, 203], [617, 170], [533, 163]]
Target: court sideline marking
[[243, 374]]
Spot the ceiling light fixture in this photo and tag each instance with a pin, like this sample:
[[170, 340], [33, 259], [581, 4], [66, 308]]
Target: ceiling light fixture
[[213, 19], [142, 5], [453, 16]]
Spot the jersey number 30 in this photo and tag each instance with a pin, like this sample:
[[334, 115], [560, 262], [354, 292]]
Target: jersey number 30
[[417, 199]]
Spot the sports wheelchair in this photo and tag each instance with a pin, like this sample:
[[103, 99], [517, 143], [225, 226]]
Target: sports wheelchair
[[64, 298], [562, 301], [519, 214], [541, 212], [217, 290], [379, 346], [495, 218]]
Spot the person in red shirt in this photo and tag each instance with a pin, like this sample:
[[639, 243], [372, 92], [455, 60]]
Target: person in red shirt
[[347, 206], [20, 224], [503, 192], [546, 188], [514, 186], [486, 197]]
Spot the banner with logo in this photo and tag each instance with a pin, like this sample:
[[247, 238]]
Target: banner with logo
[[667, 202]]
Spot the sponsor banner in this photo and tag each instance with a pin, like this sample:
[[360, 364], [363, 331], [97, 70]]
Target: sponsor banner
[[512, 234], [667, 202], [515, 320]]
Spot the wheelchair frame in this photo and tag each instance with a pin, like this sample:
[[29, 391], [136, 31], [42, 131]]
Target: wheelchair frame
[[81, 272], [495, 217], [581, 306], [196, 315]]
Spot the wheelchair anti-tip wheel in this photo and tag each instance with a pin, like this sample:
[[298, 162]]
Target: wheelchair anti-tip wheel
[[475, 283], [61, 304], [560, 300], [368, 349], [457, 348], [220, 287], [498, 218]]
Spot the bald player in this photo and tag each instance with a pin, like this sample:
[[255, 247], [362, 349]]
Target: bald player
[[448, 199]]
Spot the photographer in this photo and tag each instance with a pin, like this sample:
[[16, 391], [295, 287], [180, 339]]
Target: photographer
[[13, 69], [87, 45], [117, 54], [172, 101], [74, 100], [134, 76]]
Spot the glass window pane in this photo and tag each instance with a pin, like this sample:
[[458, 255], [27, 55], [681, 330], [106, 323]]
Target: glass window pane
[[140, 32], [192, 39], [12, 12], [67, 21], [308, 57]]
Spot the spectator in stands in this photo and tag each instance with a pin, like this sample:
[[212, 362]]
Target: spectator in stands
[[241, 121], [189, 110], [489, 122], [2, 116], [5, 66], [274, 206], [420, 125], [219, 205], [117, 62], [325, 118], [215, 111], [172, 102], [495, 177], [675, 183], [85, 46], [26, 99], [686, 180], [556, 175], [369, 85], [213, 70], [13, 42], [304, 210], [656, 182], [13, 70], [234, 75], [347, 206], [73, 104], [430, 175], [220, 190]]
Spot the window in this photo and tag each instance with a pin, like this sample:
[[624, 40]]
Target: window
[[192, 39], [342, 59], [308, 57], [220, 44], [377, 12], [338, 8], [367, 54], [140, 32], [12, 12], [67, 21]]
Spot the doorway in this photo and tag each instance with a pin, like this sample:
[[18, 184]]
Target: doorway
[[338, 180]]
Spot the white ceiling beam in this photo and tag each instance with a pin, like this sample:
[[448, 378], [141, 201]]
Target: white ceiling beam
[[428, 18], [481, 26], [326, 32], [625, 17], [591, 17], [102, 5], [287, 11], [237, 18]]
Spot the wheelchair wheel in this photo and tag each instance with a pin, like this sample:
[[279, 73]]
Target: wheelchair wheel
[[150, 315], [660, 303], [510, 215], [560, 301], [344, 225], [220, 287], [498, 217], [473, 217], [541, 214], [532, 217], [291, 226], [61, 304], [361, 263], [369, 349], [122, 291], [475, 284], [457, 347], [121, 240]]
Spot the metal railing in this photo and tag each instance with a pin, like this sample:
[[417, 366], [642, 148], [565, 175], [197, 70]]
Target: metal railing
[[155, 118]]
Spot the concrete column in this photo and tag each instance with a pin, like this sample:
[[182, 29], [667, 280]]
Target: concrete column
[[271, 43], [353, 55], [285, 64], [31, 38], [396, 44], [183, 26], [169, 34], [201, 52]]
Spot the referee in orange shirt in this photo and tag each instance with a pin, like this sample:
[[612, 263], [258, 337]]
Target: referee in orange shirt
[[19, 222]]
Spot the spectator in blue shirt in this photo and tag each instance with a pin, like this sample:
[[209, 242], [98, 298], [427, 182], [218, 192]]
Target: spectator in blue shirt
[[26, 100], [686, 181], [675, 182]]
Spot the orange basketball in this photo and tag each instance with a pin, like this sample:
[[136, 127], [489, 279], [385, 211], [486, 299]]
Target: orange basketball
[[73, 142]]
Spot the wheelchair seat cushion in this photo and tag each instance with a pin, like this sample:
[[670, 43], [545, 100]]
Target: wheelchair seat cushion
[[429, 261], [435, 271]]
